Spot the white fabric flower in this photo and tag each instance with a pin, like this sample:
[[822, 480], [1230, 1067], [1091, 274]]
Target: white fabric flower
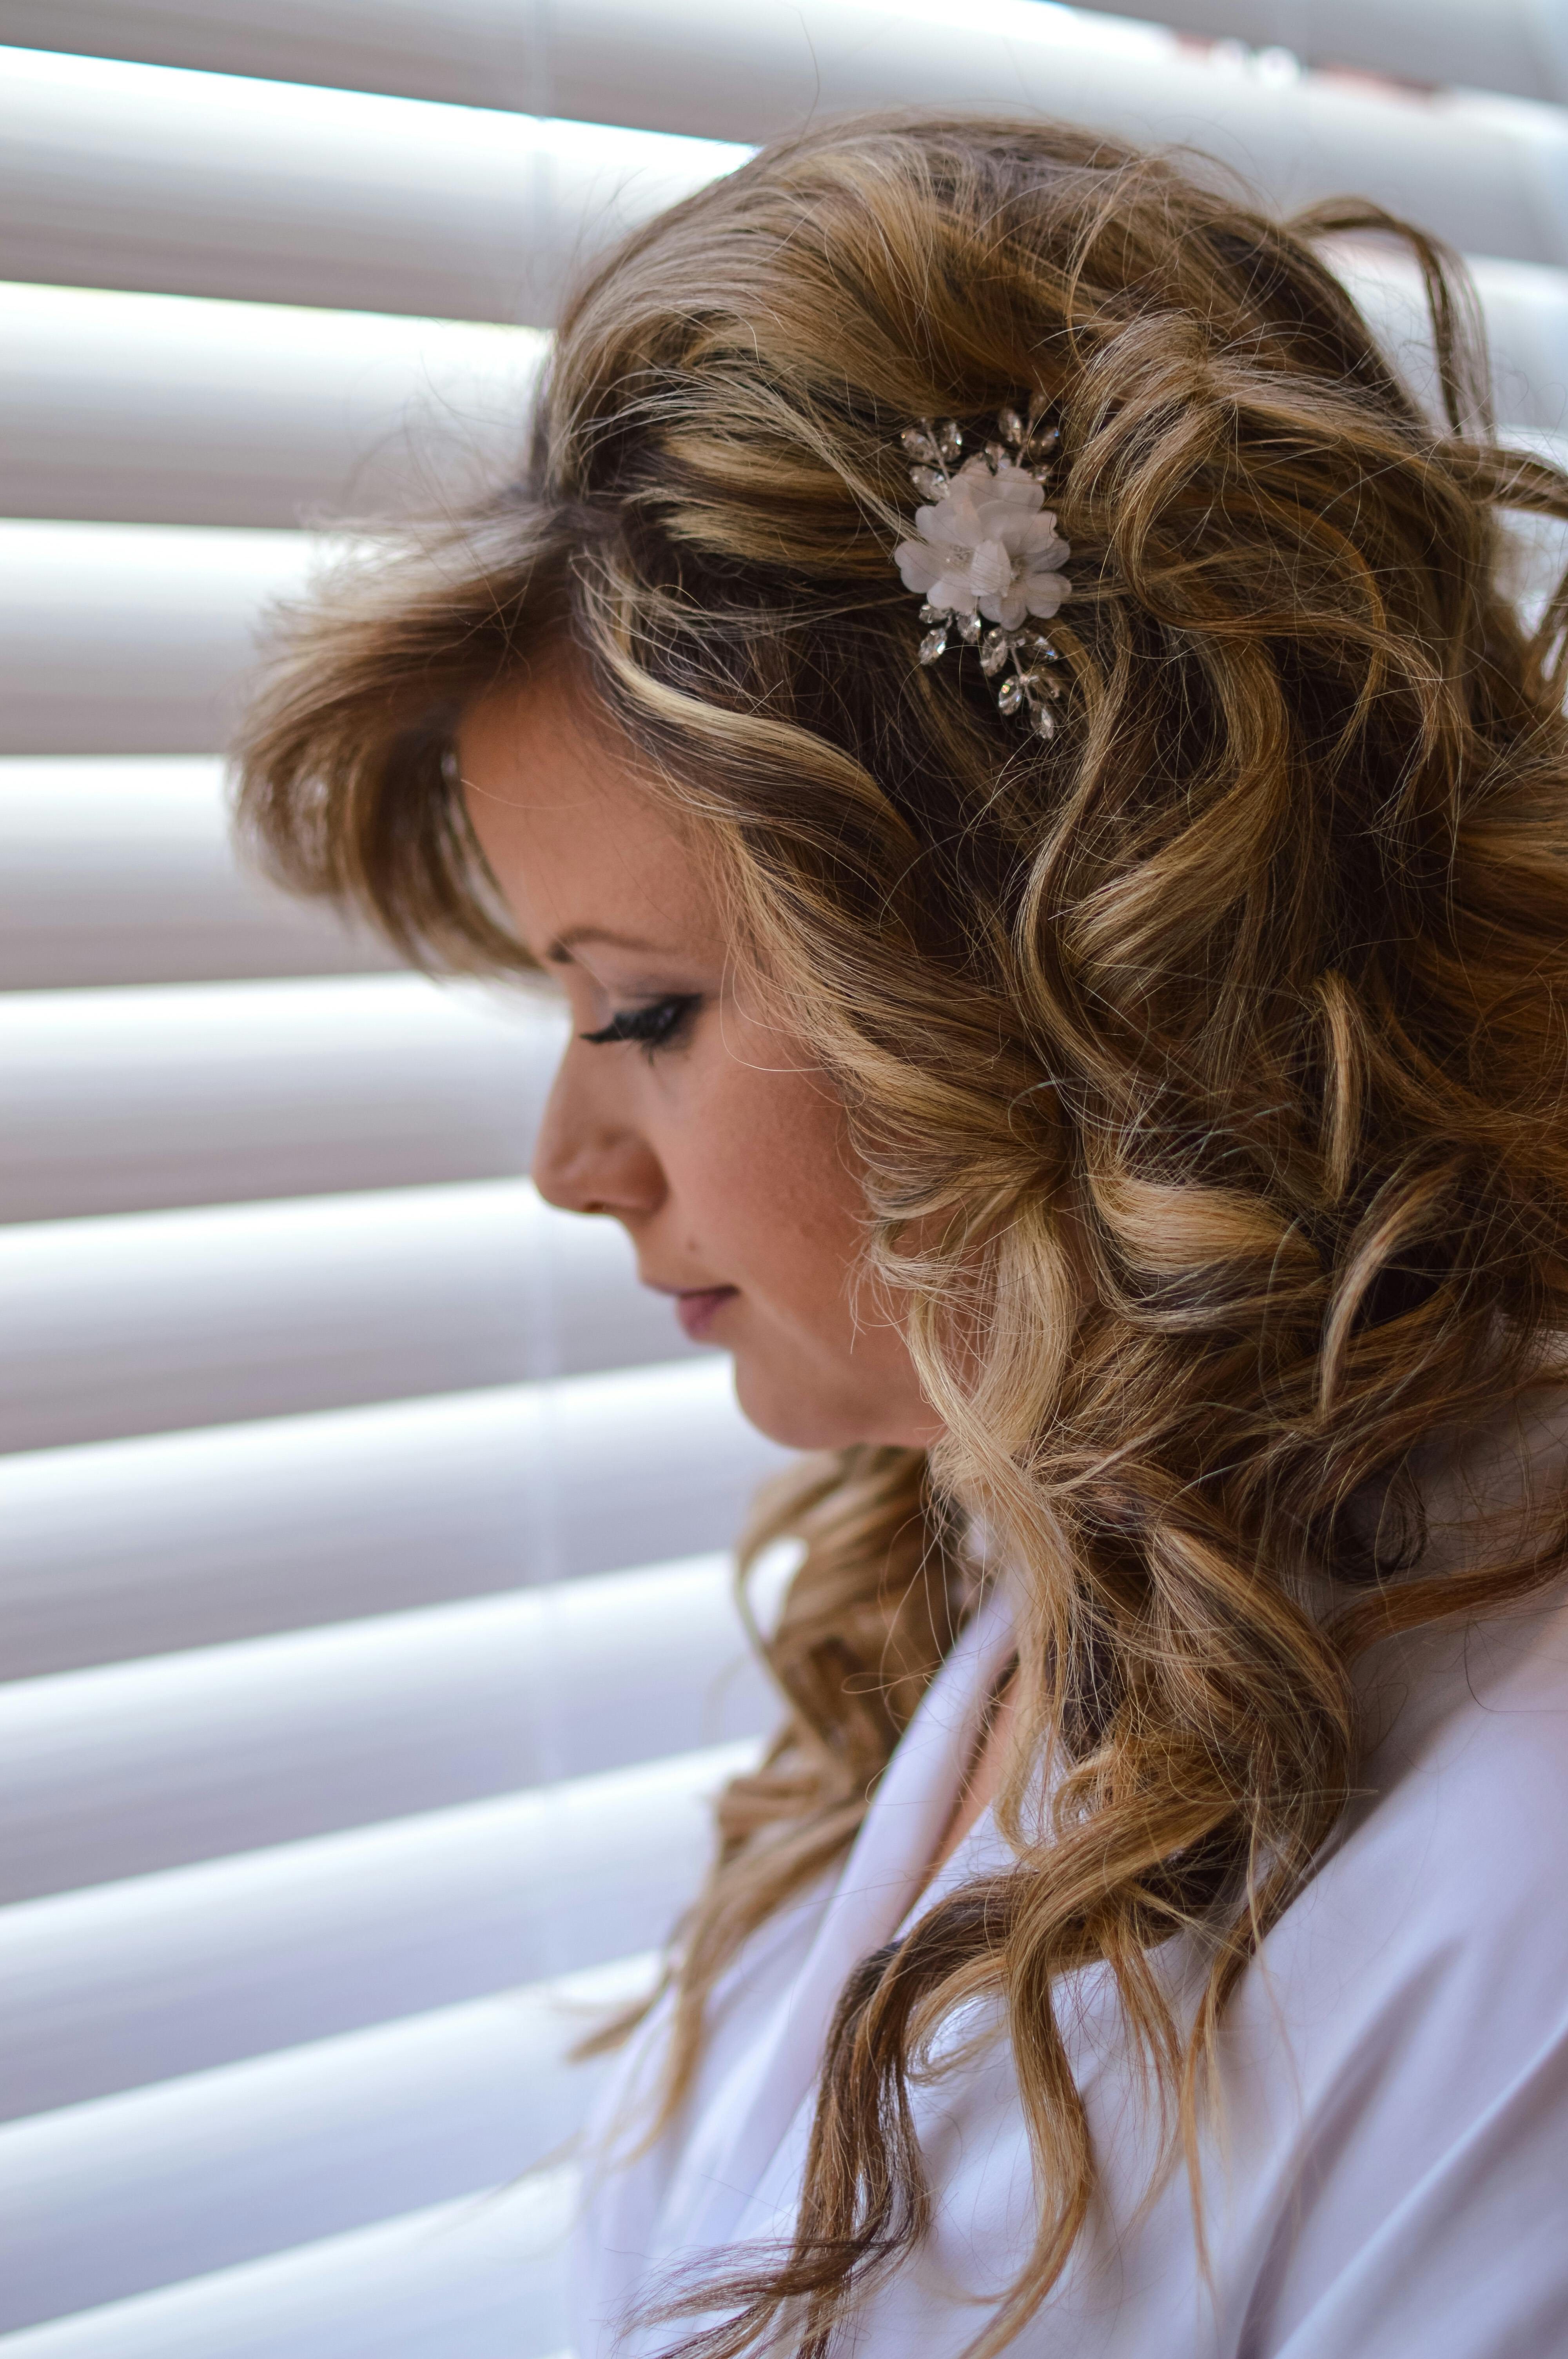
[[991, 547]]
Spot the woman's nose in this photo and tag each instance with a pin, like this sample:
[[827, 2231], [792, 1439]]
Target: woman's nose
[[588, 1157]]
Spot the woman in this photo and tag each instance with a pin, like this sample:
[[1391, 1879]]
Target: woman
[[1068, 959]]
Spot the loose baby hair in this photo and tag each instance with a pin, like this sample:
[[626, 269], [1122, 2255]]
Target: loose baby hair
[[1206, 1059]]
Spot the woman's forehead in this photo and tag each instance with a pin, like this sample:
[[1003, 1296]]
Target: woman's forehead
[[581, 848]]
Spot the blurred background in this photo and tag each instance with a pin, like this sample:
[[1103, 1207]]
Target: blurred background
[[368, 1649]]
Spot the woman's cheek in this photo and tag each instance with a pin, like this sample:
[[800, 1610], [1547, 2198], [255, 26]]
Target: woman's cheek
[[727, 1218]]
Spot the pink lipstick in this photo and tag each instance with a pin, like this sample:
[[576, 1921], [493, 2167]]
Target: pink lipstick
[[697, 1307]]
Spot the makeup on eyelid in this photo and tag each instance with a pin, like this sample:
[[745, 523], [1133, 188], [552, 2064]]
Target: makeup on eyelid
[[658, 1025]]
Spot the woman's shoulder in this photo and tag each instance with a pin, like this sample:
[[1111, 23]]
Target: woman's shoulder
[[1438, 1923], [1475, 1705], [1396, 2063]]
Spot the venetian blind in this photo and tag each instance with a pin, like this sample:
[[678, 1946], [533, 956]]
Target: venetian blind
[[368, 1653]]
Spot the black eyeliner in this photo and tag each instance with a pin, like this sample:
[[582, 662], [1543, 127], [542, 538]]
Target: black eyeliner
[[652, 1027]]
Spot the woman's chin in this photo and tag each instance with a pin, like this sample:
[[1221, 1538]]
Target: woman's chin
[[800, 1414], [780, 1413]]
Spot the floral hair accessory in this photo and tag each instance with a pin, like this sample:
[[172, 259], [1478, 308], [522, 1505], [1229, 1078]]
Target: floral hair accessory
[[989, 552]]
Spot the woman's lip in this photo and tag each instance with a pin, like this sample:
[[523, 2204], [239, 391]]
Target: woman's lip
[[698, 1307]]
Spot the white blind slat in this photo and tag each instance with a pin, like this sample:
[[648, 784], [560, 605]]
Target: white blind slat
[[1517, 46], [1525, 311], [137, 1766], [131, 638], [480, 2278], [121, 872], [168, 410], [101, 2200], [158, 1976], [126, 1100], [130, 1547], [157, 1320], [137, 176]]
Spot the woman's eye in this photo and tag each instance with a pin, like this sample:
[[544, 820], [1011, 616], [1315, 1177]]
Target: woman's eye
[[656, 1026]]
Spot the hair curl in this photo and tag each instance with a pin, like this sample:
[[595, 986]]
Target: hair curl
[[1207, 1061]]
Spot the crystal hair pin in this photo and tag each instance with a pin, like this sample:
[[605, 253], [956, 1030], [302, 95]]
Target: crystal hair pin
[[989, 552]]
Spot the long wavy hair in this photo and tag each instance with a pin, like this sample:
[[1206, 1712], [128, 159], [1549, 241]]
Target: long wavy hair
[[1207, 1061]]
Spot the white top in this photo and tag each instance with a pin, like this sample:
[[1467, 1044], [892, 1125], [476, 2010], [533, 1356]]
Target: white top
[[1393, 2180]]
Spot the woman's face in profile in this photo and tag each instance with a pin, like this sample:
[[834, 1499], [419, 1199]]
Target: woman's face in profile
[[680, 1107]]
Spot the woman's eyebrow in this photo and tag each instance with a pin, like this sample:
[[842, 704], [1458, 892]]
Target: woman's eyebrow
[[560, 951]]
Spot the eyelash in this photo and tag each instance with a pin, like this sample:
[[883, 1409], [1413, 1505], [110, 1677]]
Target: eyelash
[[657, 1025]]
